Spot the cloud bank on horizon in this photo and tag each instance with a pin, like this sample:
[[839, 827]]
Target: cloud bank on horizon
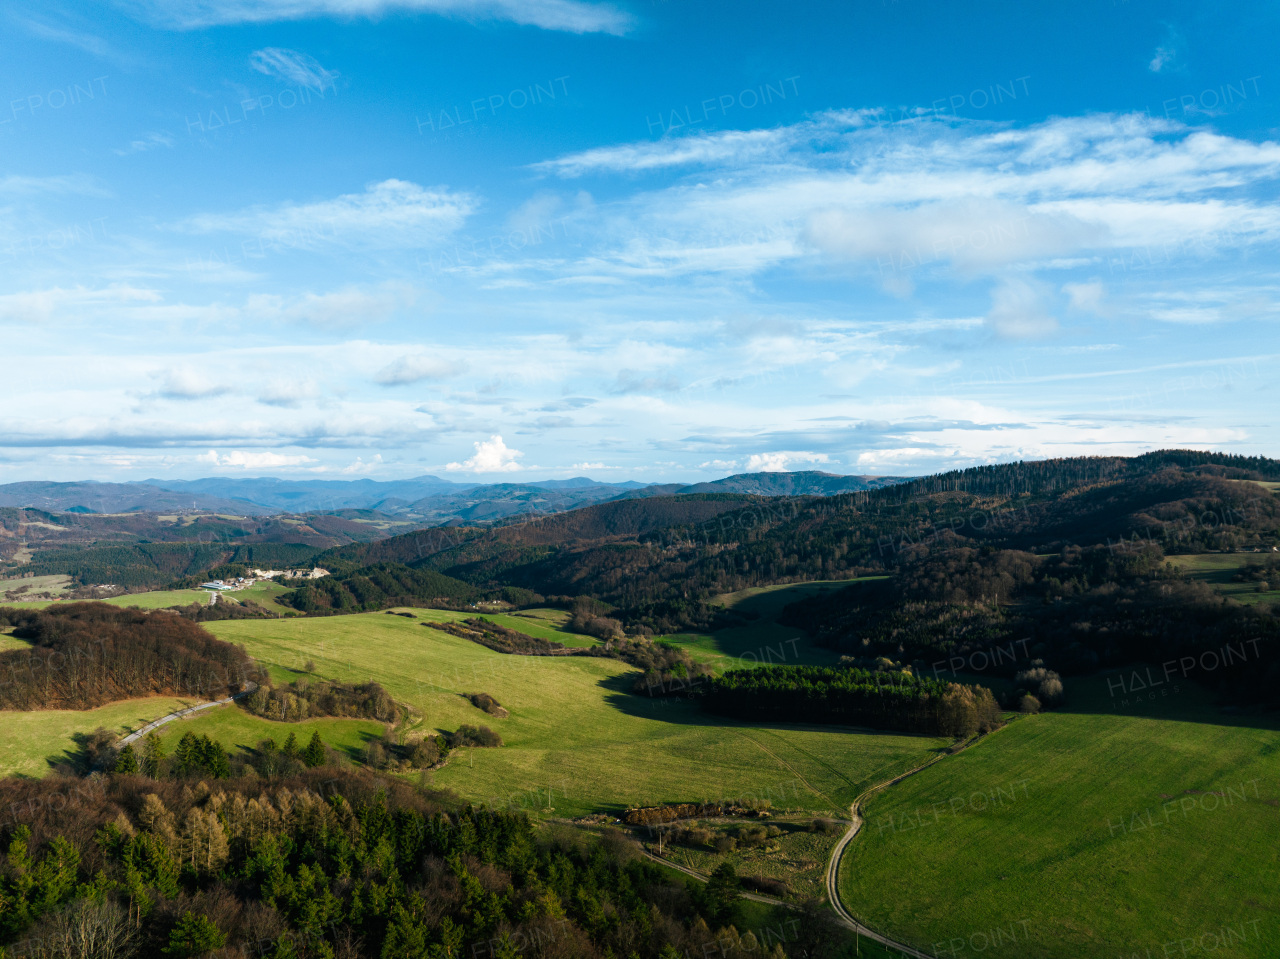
[[640, 240]]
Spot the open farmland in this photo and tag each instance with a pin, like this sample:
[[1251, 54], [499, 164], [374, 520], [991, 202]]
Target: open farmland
[[576, 742], [1094, 832]]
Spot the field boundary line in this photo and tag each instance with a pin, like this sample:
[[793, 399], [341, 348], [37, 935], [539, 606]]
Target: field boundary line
[[843, 915]]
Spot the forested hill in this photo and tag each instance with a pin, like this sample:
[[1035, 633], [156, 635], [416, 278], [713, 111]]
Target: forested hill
[[637, 552], [618, 519]]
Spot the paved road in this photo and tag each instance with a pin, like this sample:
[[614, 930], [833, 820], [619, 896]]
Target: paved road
[[183, 713]]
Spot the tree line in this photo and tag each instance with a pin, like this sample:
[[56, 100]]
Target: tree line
[[854, 697]]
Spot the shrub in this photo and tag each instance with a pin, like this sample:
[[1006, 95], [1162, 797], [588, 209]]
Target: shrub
[[468, 735], [488, 704]]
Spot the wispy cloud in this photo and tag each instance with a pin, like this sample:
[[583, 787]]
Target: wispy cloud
[[42, 306], [77, 184], [189, 384], [393, 213], [348, 307], [734, 145], [416, 369], [294, 67], [571, 16], [148, 142]]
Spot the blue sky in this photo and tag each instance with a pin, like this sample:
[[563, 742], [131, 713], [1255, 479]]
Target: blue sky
[[650, 240]]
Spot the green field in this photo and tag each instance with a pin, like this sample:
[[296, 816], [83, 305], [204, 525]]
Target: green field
[[264, 594], [763, 640], [34, 584], [542, 623], [33, 740], [235, 727], [1097, 831], [576, 742], [1217, 570]]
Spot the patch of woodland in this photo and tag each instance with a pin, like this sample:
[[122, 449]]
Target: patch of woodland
[[84, 655], [307, 698]]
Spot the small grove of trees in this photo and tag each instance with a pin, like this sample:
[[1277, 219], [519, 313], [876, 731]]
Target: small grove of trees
[[305, 698], [825, 694], [501, 639], [397, 752], [1042, 685], [665, 669]]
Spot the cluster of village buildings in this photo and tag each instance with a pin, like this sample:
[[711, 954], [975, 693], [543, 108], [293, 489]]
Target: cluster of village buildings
[[259, 575]]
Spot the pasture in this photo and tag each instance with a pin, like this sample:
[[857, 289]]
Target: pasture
[[763, 639], [1218, 571], [1098, 831], [576, 741], [34, 740]]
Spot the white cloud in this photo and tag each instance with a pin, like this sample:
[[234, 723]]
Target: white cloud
[[348, 307], [292, 66], [240, 459], [42, 306], [339, 309], [735, 145], [390, 214], [149, 142], [1087, 297], [1018, 311], [189, 384], [288, 393], [416, 368], [780, 462], [1166, 54], [928, 195], [75, 183], [492, 456], [360, 467], [571, 16]]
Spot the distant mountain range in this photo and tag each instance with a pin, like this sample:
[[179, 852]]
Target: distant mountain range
[[429, 500]]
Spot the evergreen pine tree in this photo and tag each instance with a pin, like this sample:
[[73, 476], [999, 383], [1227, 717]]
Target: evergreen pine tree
[[314, 754], [290, 747], [127, 761], [152, 753]]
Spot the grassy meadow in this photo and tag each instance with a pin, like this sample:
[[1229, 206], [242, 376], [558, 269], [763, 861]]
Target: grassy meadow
[[1092, 832], [1217, 569], [32, 741], [576, 741], [763, 640]]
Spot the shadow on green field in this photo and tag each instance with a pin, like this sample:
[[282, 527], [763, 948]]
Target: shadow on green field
[[1147, 692]]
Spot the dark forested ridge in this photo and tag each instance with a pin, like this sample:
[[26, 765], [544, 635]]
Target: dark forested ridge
[[83, 655], [643, 551]]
